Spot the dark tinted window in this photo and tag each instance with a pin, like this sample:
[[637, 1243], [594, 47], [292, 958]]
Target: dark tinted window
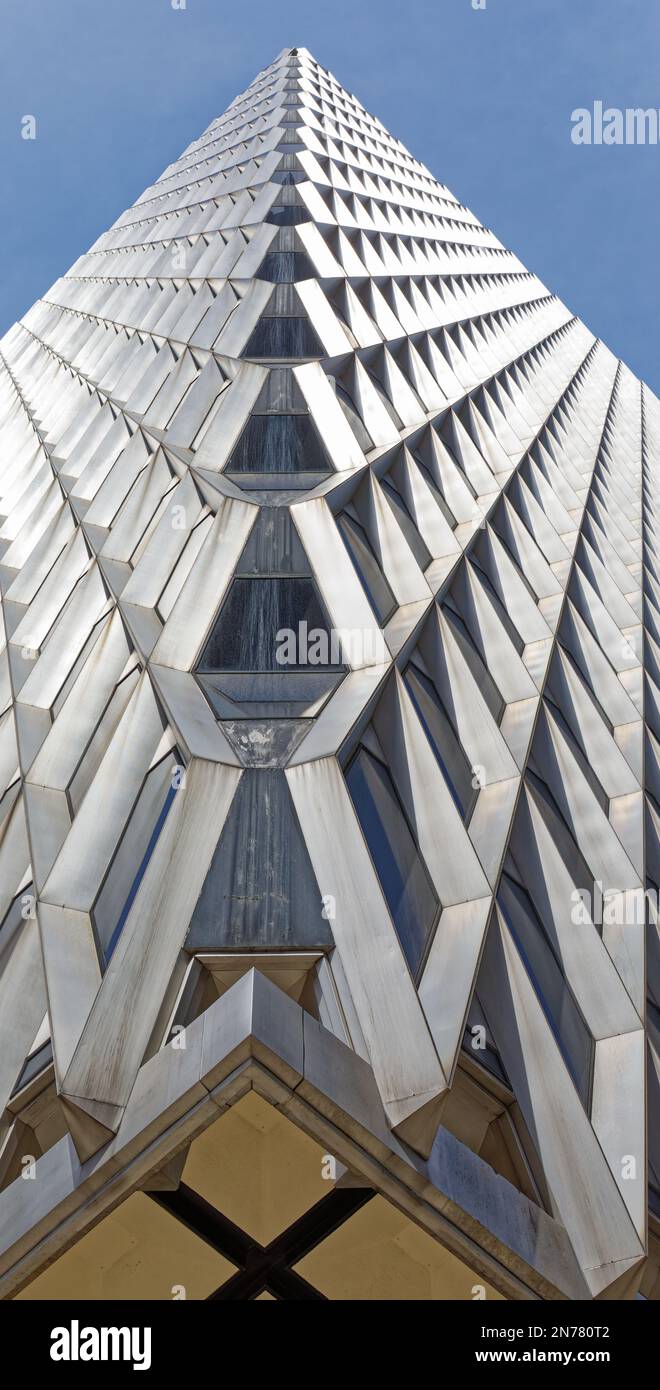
[[559, 1005], [137, 845], [245, 636], [279, 444], [287, 176], [359, 548], [284, 337], [287, 216], [419, 549], [444, 739], [282, 267], [403, 877], [36, 1063]]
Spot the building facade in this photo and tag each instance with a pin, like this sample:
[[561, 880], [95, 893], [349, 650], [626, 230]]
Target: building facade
[[329, 734]]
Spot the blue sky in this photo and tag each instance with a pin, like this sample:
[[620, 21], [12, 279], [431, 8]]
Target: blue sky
[[483, 97]]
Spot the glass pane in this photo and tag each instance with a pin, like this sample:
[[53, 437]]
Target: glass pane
[[419, 549], [135, 850], [281, 267], [279, 444], [287, 216], [378, 590], [570, 1030], [443, 737], [352, 415], [39, 1060], [403, 877], [284, 337], [252, 623]]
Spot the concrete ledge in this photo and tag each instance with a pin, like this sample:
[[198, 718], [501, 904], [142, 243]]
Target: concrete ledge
[[255, 1036]]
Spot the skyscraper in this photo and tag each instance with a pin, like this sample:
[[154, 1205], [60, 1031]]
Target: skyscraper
[[328, 747]]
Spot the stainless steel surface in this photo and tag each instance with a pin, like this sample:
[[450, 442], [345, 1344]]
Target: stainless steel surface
[[470, 481]]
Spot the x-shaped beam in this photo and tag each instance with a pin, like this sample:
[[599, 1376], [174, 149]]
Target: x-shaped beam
[[263, 1266]]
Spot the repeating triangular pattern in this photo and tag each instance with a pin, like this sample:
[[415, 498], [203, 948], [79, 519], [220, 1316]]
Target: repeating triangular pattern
[[298, 388]]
